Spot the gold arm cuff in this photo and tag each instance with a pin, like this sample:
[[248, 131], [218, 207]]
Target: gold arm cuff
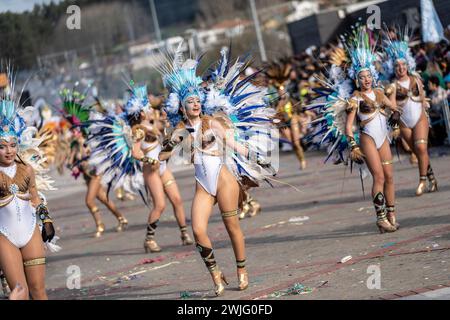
[[389, 89], [229, 214], [34, 262]]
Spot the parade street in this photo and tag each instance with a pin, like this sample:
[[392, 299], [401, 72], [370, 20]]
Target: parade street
[[294, 246]]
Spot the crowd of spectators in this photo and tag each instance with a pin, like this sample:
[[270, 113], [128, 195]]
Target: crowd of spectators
[[432, 63]]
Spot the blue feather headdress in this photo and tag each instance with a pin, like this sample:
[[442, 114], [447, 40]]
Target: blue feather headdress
[[180, 78], [138, 100], [398, 49], [12, 117], [361, 52]]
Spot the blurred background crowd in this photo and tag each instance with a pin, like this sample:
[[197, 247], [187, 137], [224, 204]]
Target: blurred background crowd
[[118, 40]]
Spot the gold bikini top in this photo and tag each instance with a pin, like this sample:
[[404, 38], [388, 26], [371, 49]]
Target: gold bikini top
[[365, 105], [16, 186], [402, 94], [207, 138]]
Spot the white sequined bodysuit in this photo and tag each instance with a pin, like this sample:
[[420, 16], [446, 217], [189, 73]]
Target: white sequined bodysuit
[[17, 215], [207, 163]]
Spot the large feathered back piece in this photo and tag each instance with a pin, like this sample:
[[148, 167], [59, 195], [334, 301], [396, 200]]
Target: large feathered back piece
[[74, 108], [278, 72]]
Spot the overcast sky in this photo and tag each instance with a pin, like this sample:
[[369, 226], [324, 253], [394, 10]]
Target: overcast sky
[[20, 5]]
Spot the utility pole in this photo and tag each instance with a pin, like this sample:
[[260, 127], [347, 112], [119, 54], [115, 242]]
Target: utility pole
[[259, 37], [155, 20]]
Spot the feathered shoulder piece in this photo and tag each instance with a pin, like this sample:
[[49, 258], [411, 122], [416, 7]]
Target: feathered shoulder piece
[[278, 72], [241, 106], [111, 141], [339, 57]]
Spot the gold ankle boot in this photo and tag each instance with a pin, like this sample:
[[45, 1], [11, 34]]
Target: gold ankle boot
[[433, 185], [383, 223], [245, 210], [242, 276], [123, 224], [385, 226], [422, 186], [186, 239], [391, 216], [243, 280], [100, 230], [256, 208], [151, 245], [219, 280]]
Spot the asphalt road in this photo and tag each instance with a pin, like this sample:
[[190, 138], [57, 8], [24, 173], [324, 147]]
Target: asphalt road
[[294, 247]]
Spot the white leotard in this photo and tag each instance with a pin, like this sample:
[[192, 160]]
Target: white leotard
[[411, 110], [154, 153], [18, 217], [207, 166], [377, 128]]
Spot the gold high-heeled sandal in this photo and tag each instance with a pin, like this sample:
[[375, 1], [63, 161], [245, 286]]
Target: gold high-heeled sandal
[[123, 224], [218, 277], [422, 186]]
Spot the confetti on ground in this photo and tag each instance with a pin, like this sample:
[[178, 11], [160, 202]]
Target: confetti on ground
[[389, 244], [299, 219], [188, 294], [274, 224], [345, 259], [296, 289], [148, 260]]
